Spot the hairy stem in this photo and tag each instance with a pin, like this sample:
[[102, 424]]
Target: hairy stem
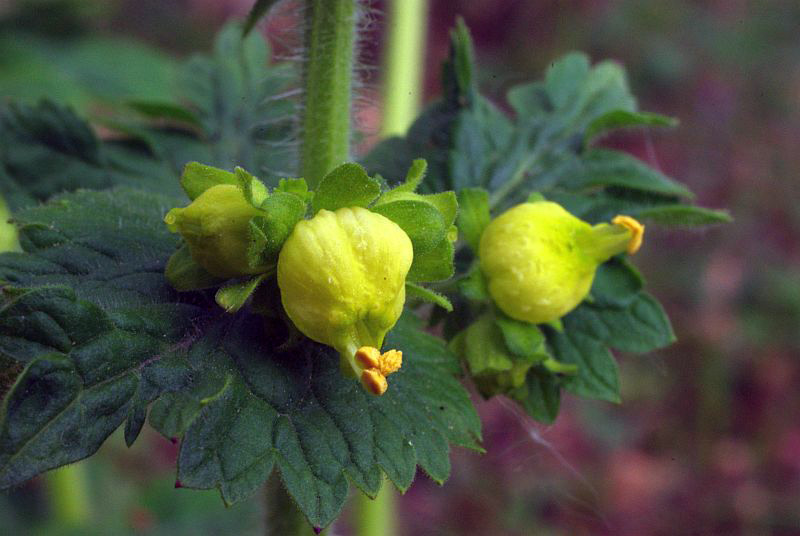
[[403, 64], [69, 498], [377, 516], [327, 77]]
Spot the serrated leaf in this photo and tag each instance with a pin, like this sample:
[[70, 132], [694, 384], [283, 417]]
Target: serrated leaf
[[617, 119], [436, 264], [197, 178], [640, 327], [684, 215], [90, 312], [473, 216], [597, 375], [616, 284], [428, 295], [606, 167], [346, 186], [47, 149], [421, 221], [235, 94]]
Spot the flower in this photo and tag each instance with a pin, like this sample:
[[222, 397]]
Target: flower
[[342, 281], [540, 260], [215, 226]]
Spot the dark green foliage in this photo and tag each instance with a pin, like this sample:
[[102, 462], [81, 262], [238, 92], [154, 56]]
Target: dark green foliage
[[232, 116], [544, 152], [47, 149], [101, 334], [545, 147]]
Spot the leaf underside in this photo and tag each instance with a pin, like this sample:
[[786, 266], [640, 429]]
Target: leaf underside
[[87, 311]]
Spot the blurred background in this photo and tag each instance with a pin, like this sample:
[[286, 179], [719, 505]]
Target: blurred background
[[707, 440]]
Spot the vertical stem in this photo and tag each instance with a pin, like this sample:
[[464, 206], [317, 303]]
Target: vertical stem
[[68, 495], [8, 231], [327, 77], [403, 65], [377, 517]]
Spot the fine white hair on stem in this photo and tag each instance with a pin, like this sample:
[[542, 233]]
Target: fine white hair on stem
[[286, 24]]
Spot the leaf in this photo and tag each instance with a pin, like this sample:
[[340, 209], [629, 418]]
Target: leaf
[[617, 119], [346, 186], [684, 215], [47, 150], [605, 167], [414, 176], [616, 284], [253, 189], [259, 9], [521, 338], [474, 286], [164, 110], [197, 178], [90, 314], [640, 327], [233, 296], [433, 265], [597, 375], [297, 187], [474, 215], [484, 348], [421, 221], [89, 311], [81, 71], [268, 232], [428, 295], [543, 396], [235, 95]]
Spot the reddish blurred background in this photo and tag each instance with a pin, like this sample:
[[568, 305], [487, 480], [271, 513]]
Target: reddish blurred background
[[707, 440]]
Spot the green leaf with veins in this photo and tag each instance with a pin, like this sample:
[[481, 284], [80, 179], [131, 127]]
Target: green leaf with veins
[[88, 312], [47, 149], [235, 95], [347, 185], [470, 143]]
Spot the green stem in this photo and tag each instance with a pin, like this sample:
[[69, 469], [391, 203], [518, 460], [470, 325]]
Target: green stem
[[283, 518], [69, 497], [327, 77], [402, 87], [376, 517]]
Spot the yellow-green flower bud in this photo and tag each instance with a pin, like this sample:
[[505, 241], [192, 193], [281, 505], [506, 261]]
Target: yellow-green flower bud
[[342, 280], [540, 260], [215, 227]]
